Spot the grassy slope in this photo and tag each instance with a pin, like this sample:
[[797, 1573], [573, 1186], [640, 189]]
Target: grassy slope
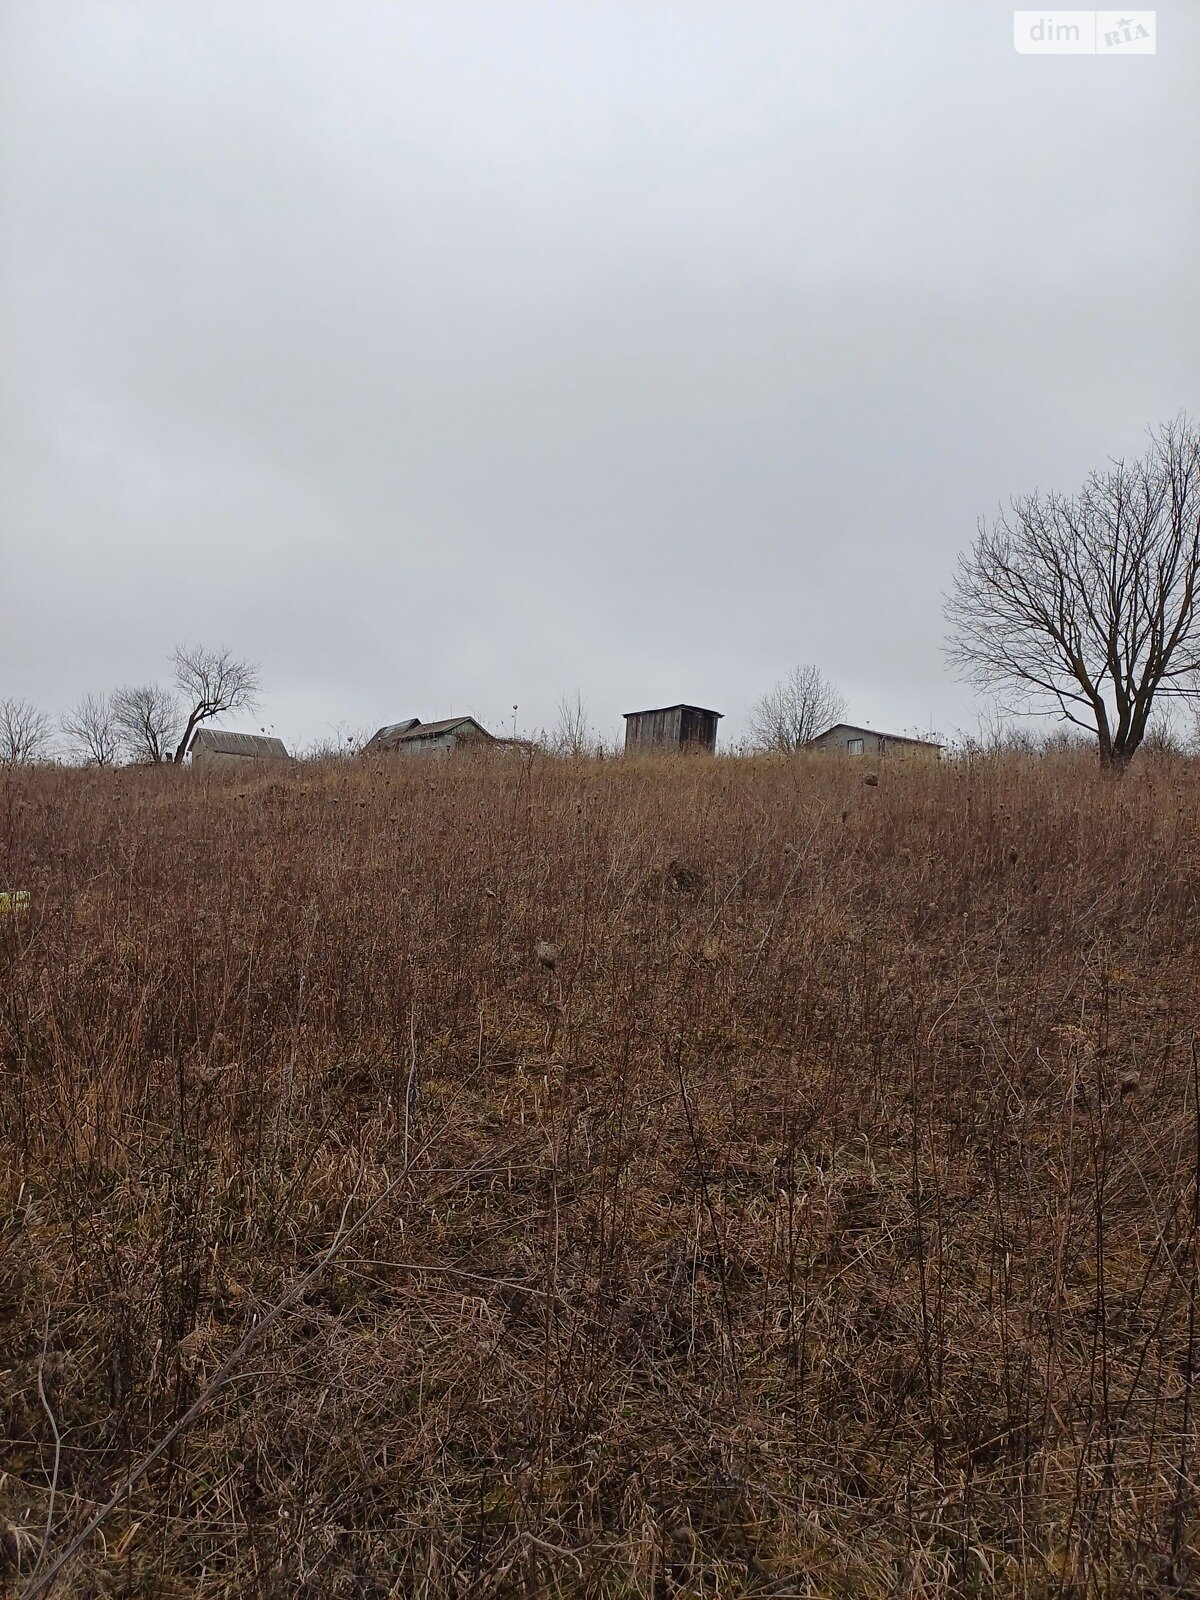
[[796, 1235]]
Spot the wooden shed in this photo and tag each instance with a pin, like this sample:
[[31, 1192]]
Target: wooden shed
[[672, 728]]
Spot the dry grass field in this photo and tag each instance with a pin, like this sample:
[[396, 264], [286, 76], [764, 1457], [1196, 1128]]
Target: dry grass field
[[817, 1217]]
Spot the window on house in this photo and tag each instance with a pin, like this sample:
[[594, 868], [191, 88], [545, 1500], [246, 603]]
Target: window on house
[[854, 746]]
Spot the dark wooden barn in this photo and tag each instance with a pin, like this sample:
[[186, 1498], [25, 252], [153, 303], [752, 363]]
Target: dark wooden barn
[[672, 728]]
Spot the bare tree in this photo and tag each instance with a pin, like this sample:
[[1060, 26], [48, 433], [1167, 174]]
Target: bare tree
[[1087, 602], [573, 734], [797, 709], [91, 730], [24, 733], [147, 718], [212, 682]]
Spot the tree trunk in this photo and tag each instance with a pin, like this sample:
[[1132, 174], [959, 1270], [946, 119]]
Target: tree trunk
[[181, 749]]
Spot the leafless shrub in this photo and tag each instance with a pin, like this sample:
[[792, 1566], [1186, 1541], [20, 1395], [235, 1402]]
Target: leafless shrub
[[339, 744], [573, 735], [1162, 737], [997, 736]]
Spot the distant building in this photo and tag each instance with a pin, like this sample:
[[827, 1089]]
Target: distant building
[[417, 738], [386, 738], [212, 745], [844, 739], [671, 728]]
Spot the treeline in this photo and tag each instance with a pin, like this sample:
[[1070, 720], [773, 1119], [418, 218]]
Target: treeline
[[144, 723], [155, 722]]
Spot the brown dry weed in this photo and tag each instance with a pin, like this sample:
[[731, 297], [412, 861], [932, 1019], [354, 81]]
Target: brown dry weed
[[819, 1219]]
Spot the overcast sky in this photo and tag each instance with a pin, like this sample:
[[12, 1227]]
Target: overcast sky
[[445, 356]]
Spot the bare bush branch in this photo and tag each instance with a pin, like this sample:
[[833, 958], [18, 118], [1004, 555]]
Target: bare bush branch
[[573, 734], [341, 743]]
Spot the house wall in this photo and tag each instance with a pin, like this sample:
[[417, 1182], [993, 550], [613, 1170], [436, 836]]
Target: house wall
[[651, 730], [836, 742], [437, 745], [440, 745], [201, 756]]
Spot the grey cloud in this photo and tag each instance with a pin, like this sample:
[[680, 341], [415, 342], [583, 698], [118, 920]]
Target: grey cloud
[[446, 356]]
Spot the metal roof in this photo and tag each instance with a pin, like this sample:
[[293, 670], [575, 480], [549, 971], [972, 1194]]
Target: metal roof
[[393, 730], [446, 725], [220, 741], [682, 705]]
